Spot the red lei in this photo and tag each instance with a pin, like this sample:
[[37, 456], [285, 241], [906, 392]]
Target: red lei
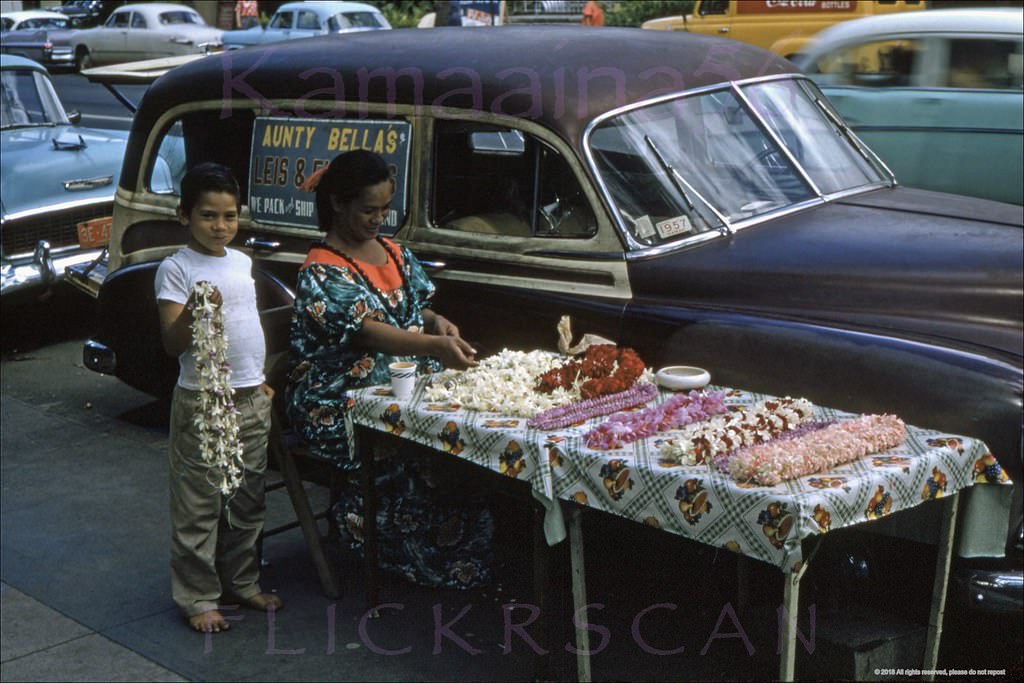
[[608, 369]]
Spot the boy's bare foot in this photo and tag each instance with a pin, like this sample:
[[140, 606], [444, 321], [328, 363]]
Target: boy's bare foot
[[209, 622], [264, 602]]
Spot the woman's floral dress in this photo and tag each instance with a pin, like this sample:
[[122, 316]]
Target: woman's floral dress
[[429, 530]]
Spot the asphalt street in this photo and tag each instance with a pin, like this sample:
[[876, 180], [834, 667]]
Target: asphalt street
[[85, 591]]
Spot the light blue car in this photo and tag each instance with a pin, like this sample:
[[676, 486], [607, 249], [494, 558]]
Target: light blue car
[[938, 95], [307, 19], [57, 180]]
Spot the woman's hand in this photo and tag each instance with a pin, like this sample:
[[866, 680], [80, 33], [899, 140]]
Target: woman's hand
[[454, 352]]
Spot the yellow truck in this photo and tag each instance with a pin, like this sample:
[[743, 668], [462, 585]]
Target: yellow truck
[[782, 26]]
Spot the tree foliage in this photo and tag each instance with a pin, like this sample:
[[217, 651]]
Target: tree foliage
[[403, 13], [638, 11]]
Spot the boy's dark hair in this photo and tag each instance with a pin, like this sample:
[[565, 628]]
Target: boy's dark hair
[[208, 176], [345, 178]]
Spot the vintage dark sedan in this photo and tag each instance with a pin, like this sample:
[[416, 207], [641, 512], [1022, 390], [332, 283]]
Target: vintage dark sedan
[[694, 198]]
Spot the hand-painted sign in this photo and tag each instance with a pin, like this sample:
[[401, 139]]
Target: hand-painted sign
[[285, 151]]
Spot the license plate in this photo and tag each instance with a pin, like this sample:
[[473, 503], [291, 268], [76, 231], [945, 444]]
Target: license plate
[[94, 233]]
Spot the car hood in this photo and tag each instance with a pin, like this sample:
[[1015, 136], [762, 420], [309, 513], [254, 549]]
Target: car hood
[[35, 170], [915, 264]]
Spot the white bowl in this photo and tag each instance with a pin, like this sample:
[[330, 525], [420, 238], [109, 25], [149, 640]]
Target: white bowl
[[681, 377]]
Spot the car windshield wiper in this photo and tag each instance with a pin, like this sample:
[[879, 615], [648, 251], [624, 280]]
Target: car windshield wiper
[[682, 186], [848, 133]]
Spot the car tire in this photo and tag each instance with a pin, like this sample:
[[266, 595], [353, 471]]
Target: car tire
[[83, 60]]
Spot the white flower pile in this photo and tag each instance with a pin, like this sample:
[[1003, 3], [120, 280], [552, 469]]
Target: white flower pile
[[217, 418], [502, 383], [701, 441]]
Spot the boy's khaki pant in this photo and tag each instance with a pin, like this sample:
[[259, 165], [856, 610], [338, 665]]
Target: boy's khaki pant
[[213, 537]]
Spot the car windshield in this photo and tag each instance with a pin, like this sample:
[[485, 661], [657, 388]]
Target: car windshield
[[180, 17], [353, 20], [716, 159], [28, 99]]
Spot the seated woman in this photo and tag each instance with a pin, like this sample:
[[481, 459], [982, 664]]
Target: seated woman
[[361, 303]]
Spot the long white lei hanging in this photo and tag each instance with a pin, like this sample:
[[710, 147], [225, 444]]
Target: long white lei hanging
[[217, 418]]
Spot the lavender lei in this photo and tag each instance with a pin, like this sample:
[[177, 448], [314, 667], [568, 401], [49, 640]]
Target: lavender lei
[[217, 418], [581, 411], [678, 411]]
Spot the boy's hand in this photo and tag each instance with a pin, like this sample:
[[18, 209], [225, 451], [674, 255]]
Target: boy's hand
[[216, 298], [268, 390]]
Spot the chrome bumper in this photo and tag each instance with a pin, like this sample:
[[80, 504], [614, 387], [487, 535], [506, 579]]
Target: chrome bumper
[[989, 591], [44, 270]]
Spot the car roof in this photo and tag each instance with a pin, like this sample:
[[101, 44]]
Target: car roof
[[561, 77], [1006, 20], [328, 8], [155, 7], [21, 15], [18, 62]]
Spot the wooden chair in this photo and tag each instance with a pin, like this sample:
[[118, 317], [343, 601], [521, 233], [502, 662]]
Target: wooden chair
[[294, 461]]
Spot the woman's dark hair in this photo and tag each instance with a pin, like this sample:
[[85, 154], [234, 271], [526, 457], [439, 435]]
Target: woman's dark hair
[[207, 177], [346, 177]]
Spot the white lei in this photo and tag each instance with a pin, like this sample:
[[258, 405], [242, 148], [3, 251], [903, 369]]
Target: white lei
[[217, 419]]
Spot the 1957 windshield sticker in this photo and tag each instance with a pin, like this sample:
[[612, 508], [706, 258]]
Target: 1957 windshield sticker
[[679, 225], [285, 151]]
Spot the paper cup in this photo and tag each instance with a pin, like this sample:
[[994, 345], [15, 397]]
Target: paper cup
[[403, 378]]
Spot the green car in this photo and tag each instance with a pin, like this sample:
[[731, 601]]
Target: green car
[[937, 94]]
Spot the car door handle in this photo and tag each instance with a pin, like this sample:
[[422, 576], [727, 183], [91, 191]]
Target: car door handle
[[724, 29], [253, 243]]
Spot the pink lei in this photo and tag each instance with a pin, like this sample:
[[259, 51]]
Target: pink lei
[[818, 450]]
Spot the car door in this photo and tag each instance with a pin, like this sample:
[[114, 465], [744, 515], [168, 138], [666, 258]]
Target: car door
[[514, 237], [281, 26], [108, 43], [975, 109], [140, 40], [307, 24]]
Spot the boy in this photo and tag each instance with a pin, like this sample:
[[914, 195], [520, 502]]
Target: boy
[[213, 537]]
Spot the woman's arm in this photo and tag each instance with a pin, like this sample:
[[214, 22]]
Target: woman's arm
[[453, 350], [436, 323]]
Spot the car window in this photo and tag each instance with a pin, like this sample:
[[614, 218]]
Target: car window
[[6, 24], [714, 7], [119, 20], [309, 21], [345, 20], [282, 20], [874, 64], [500, 181], [27, 98], [138, 21], [197, 137], [45, 22], [984, 63], [180, 17]]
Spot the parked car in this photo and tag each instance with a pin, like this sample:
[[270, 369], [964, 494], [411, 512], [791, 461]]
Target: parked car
[[37, 35], [939, 95], [723, 217], [782, 27], [144, 31], [307, 19], [57, 180], [87, 13], [31, 19]]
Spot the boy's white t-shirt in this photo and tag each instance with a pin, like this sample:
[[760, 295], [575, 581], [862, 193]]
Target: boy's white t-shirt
[[232, 275]]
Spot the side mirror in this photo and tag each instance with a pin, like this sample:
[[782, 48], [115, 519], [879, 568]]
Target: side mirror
[[75, 117]]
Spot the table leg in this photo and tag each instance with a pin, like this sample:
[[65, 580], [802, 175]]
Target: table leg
[[579, 594], [942, 564], [791, 601]]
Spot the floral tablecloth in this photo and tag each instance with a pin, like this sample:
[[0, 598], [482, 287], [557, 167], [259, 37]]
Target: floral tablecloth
[[768, 523]]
